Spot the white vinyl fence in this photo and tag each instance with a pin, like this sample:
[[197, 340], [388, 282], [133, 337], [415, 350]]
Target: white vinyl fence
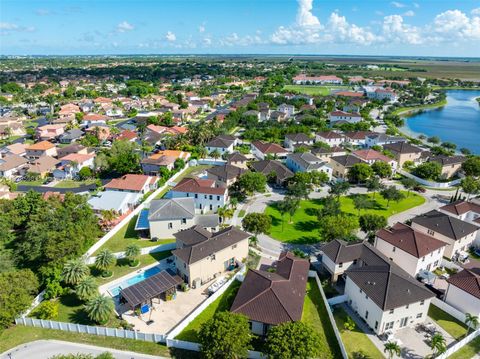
[[454, 312], [313, 274], [146, 250], [459, 345], [430, 183], [94, 330]]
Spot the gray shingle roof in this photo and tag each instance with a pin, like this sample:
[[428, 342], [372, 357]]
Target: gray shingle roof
[[307, 160], [442, 223], [176, 208], [268, 166]]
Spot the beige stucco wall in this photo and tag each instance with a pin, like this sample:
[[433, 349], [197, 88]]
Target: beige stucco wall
[[160, 230]]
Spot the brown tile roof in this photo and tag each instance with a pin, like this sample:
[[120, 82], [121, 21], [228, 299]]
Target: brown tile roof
[[17, 148], [329, 134], [159, 161], [402, 147], [413, 242], [78, 157], [268, 166], [218, 241], [130, 182], [227, 171], [358, 135], [265, 147], [43, 164], [41, 146], [442, 223], [461, 207], [468, 280], [127, 135], [371, 155], [274, 298], [193, 235], [448, 160], [12, 161], [347, 160], [195, 185]]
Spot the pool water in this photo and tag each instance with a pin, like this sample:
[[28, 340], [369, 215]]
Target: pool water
[[115, 290]]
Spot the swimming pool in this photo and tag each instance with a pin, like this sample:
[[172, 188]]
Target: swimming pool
[[115, 290]]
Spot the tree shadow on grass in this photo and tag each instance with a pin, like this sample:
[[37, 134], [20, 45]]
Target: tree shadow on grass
[[312, 211], [306, 226]]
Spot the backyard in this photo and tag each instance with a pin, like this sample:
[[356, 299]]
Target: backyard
[[191, 171], [128, 235], [315, 314], [355, 340], [304, 228], [451, 325], [221, 304]]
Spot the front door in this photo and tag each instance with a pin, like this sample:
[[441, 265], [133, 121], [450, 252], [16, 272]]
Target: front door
[[403, 322]]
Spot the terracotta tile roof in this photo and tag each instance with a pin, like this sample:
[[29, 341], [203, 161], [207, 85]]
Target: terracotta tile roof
[[41, 146], [371, 155], [127, 135], [413, 242], [78, 157], [274, 298], [195, 185], [267, 148], [171, 153], [468, 280], [95, 117], [17, 148], [130, 182], [461, 207]]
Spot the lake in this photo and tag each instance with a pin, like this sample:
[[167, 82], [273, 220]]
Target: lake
[[457, 122]]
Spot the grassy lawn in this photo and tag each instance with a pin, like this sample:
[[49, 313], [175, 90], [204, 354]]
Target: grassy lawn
[[355, 340], [122, 268], [451, 325], [189, 172], [315, 314], [127, 235], [468, 351], [31, 183], [241, 214], [407, 110], [221, 304], [20, 334], [73, 184], [308, 89], [304, 224]]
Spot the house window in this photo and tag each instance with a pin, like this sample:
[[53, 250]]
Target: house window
[[196, 195], [340, 265], [435, 263], [361, 291], [213, 256], [205, 196], [366, 297], [419, 315], [170, 225], [184, 265], [422, 302], [407, 306], [389, 325], [188, 194], [423, 259], [376, 325], [184, 221], [234, 246], [218, 198], [210, 197], [391, 311], [393, 249], [211, 207], [366, 314]]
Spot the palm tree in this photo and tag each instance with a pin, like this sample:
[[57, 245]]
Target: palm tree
[[471, 321], [108, 215], [74, 271], [202, 152], [215, 154], [225, 212], [87, 288], [131, 253], [392, 349], [104, 261], [438, 344], [100, 308]]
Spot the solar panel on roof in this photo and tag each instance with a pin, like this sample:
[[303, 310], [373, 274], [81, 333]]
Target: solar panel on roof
[[142, 221]]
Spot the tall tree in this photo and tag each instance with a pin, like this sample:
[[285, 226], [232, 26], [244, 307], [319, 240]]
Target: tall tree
[[360, 172], [257, 223], [251, 182], [293, 340], [391, 348], [470, 186], [292, 204], [338, 227], [409, 184], [382, 169], [86, 288], [391, 193], [100, 309], [225, 335], [104, 261], [339, 189], [361, 202], [370, 223], [373, 185]]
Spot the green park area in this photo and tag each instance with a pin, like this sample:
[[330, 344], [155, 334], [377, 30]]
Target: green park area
[[308, 89], [304, 226]]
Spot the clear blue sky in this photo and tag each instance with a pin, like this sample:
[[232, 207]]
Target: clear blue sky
[[381, 27]]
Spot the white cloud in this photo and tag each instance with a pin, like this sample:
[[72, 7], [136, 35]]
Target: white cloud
[[207, 41], [416, 5], [454, 24], [476, 11], [201, 28], [124, 26], [397, 4], [305, 16], [339, 30], [395, 30], [170, 36], [409, 13], [8, 27]]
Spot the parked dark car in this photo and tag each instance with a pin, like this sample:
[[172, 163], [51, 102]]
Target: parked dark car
[[419, 189]]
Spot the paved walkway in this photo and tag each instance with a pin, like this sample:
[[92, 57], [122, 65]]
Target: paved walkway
[[44, 349]]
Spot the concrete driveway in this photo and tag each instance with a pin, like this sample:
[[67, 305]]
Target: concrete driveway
[[44, 349]]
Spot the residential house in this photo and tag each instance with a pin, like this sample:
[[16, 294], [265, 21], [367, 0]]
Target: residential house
[[341, 116], [306, 162], [49, 132], [403, 152], [127, 135], [378, 290], [459, 235], [450, 164], [207, 195], [238, 160], [71, 136], [162, 159], [382, 139], [41, 149], [168, 216], [382, 94], [73, 148], [288, 110], [342, 164], [277, 116], [293, 140], [412, 250], [71, 164], [222, 144], [274, 171], [357, 138], [14, 149], [269, 298], [133, 183], [331, 138], [102, 133], [119, 202], [225, 175], [463, 291], [95, 119], [68, 110], [42, 166], [208, 255], [326, 154], [262, 150], [11, 165], [371, 156]]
